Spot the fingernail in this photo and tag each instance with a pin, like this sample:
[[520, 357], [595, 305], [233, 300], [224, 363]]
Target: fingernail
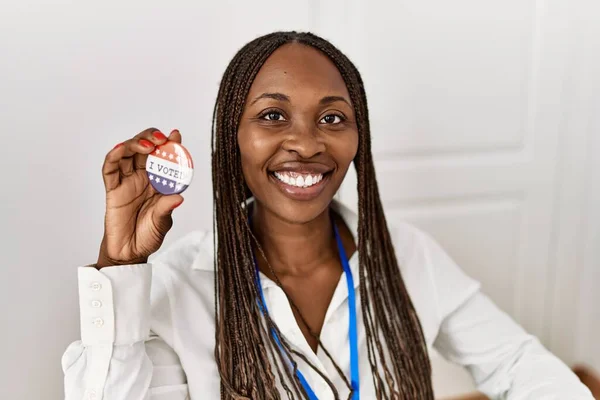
[[146, 143], [159, 135], [118, 145], [174, 130], [177, 205]]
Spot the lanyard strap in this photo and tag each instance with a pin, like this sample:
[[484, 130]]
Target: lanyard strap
[[352, 331], [263, 308]]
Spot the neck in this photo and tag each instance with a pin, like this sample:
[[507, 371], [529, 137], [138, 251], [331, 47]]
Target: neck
[[293, 249]]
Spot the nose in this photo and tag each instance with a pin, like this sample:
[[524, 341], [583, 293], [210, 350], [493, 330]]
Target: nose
[[304, 140]]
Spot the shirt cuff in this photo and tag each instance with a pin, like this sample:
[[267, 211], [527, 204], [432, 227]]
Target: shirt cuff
[[114, 304]]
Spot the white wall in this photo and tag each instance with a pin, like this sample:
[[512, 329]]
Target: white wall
[[79, 77], [573, 310]]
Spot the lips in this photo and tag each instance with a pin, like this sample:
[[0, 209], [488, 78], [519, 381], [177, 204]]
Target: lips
[[299, 180], [305, 192]]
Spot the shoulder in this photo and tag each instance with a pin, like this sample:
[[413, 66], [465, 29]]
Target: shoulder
[[419, 249], [186, 264], [418, 252], [436, 283], [193, 251], [409, 241]]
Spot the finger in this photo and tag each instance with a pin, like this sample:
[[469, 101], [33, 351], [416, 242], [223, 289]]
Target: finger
[[164, 208], [110, 168], [142, 147], [126, 166], [175, 136], [139, 160], [152, 135], [112, 162]]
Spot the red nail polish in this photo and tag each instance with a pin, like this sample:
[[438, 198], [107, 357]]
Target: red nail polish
[[118, 145], [146, 143], [177, 205], [159, 135]]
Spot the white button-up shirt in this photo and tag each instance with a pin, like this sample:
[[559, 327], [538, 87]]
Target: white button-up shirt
[[148, 330]]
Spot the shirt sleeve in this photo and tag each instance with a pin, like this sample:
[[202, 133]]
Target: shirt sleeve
[[505, 361], [118, 357]]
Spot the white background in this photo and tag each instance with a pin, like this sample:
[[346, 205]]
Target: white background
[[486, 132]]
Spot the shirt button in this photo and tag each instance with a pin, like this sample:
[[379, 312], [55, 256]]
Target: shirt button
[[91, 394], [95, 286], [99, 322], [96, 303]]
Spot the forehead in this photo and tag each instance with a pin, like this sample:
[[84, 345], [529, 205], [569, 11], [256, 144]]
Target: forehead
[[294, 68]]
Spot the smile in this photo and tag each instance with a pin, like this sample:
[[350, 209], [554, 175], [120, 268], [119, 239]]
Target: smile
[[298, 179], [301, 185]]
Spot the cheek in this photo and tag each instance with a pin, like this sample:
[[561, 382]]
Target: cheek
[[347, 149], [255, 151]]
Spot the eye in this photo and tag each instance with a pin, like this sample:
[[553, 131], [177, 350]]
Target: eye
[[331, 119], [273, 116]]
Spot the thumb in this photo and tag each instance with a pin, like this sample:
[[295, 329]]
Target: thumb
[[166, 204]]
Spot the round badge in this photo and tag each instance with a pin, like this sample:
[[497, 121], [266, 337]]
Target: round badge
[[170, 168]]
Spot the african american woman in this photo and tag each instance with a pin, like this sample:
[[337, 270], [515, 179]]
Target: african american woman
[[291, 295]]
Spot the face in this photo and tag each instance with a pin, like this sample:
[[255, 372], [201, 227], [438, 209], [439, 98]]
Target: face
[[298, 134]]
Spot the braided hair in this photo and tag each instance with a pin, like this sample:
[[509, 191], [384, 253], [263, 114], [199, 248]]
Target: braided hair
[[250, 361]]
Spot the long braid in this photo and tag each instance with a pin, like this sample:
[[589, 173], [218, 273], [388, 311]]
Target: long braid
[[250, 361]]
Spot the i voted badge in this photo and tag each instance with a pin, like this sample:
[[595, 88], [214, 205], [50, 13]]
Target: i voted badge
[[170, 168]]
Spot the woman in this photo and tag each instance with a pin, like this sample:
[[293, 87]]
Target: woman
[[294, 296]]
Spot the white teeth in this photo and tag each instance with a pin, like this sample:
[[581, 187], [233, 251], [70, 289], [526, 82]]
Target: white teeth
[[299, 180]]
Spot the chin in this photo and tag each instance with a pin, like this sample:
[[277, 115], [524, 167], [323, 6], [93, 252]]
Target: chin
[[299, 213]]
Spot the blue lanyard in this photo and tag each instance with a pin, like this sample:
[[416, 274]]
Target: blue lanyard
[[354, 373]]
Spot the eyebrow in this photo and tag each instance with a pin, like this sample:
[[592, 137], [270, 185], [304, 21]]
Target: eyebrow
[[283, 97], [333, 99], [274, 96]]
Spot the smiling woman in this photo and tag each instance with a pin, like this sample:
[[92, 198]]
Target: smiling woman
[[304, 113], [292, 295]]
